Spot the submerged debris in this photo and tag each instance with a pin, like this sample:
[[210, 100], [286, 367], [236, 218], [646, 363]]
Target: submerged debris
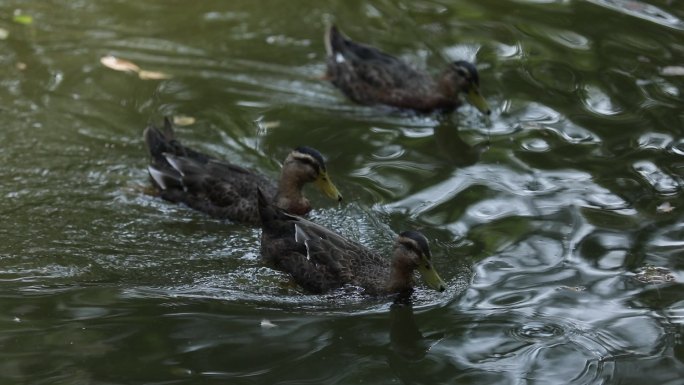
[[665, 207], [572, 288], [266, 324], [654, 275]]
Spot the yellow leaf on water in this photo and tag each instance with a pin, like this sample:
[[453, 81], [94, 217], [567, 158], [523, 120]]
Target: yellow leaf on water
[[22, 19], [4, 34], [182, 120], [20, 66], [117, 64], [152, 75], [267, 125]]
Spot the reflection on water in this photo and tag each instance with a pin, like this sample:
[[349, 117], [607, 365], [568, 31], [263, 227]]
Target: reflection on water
[[556, 222]]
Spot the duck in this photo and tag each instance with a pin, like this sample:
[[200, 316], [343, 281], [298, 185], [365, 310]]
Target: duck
[[227, 191], [320, 260], [366, 75]]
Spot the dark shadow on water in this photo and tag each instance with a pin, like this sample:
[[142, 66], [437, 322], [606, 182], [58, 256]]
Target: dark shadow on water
[[406, 340], [408, 346], [451, 146]]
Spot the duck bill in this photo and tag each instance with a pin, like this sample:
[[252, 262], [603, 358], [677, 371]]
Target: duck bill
[[327, 187], [430, 276], [475, 98]]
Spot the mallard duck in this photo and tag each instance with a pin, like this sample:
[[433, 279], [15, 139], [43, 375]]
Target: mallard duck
[[224, 190], [319, 259], [369, 76]]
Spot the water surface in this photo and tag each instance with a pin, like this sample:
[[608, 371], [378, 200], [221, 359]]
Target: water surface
[[556, 223]]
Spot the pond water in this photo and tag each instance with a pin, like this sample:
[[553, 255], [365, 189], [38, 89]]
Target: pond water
[[557, 223]]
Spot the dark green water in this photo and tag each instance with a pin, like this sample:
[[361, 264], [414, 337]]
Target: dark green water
[[542, 236]]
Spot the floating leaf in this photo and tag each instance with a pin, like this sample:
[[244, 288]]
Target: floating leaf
[[23, 19], [152, 75], [267, 125], [117, 64], [4, 34], [266, 324], [182, 120], [672, 71], [20, 66]]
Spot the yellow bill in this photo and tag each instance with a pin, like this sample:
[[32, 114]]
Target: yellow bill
[[475, 98], [430, 276], [327, 187]]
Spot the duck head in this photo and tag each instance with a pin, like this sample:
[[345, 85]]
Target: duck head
[[411, 252], [462, 77], [306, 165]]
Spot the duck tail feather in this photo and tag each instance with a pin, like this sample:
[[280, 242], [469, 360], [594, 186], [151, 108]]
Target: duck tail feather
[[271, 216], [334, 40], [158, 140], [164, 180]]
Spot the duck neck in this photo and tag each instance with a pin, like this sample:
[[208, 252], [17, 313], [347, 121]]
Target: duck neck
[[289, 196], [447, 86], [401, 275]]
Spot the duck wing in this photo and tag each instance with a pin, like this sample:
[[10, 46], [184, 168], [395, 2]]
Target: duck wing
[[220, 189], [317, 258]]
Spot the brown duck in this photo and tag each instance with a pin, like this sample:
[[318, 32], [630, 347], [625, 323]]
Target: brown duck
[[319, 259], [227, 191], [369, 76]]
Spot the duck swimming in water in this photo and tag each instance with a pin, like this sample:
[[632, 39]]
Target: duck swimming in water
[[226, 191], [320, 260], [369, 76]]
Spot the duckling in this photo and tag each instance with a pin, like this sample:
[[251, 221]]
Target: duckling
[[369, 76], [226, 191], [320, 260]]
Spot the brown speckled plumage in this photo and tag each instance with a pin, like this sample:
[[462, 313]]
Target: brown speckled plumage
[[221, 189], [369, 76], [319, 259]]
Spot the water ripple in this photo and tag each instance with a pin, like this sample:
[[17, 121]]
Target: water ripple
[[642, 10], [599, 102], [570, 39], [654, 141], [541, 348], [536, 331], [552, 219], [657, 178], [557, 76]]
